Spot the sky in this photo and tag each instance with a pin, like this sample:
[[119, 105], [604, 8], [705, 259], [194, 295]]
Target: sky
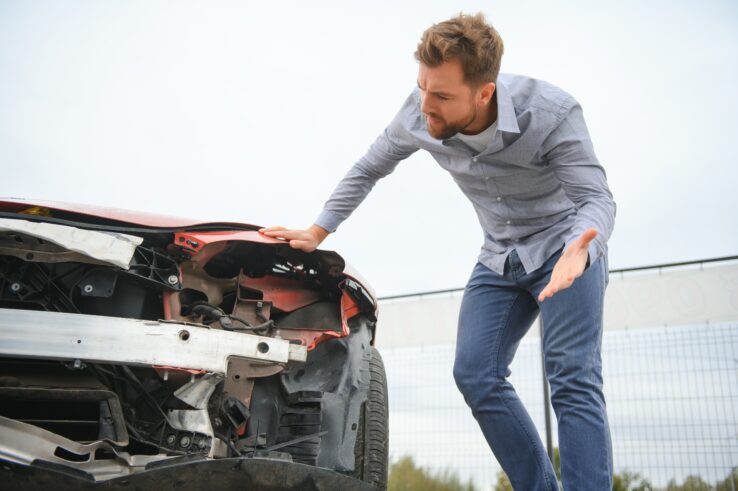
[[253, 112]]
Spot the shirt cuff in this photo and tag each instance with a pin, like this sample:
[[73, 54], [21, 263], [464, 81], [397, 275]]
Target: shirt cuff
[[328, 220]]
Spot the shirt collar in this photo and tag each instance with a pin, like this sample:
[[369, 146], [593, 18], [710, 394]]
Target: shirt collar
[[506, 118]]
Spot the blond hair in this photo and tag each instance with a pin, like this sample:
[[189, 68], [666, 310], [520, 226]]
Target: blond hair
[[467, 38]]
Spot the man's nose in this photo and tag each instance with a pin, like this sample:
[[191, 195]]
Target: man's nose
[[424, 105]]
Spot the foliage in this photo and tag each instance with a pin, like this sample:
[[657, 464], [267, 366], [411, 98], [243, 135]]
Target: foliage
[[405, 475], [730, 483], [623, 481], [630, 481], [691, 483], [503, 483]]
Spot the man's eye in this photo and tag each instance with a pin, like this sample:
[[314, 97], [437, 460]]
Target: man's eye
[[443, 97]]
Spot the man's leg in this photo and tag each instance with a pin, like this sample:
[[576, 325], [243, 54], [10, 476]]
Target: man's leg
[[495, 314], [572, 325]]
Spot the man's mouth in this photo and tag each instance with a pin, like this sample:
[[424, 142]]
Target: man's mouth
[[434, 120]]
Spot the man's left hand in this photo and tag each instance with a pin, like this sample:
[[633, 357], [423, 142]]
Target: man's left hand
[[570, 265]]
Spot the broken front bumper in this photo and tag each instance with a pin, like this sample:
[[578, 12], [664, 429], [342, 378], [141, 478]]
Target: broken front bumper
[[215, 355], [185, 474], [91, 338]]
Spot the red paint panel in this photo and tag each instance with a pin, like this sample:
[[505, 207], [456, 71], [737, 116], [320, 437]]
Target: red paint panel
[[284, 293], [202, 238], [127, 216]]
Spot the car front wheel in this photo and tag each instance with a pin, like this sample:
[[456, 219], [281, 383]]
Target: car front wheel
[[372, 439]]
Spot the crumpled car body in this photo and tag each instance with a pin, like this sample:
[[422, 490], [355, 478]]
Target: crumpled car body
[[131, 344]]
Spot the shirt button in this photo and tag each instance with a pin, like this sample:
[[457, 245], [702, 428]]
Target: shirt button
[[508, 222], [474, 159], [499, 198]]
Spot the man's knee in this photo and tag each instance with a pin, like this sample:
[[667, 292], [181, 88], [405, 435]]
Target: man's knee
[[463, 375], [575, 384], [475, 384]]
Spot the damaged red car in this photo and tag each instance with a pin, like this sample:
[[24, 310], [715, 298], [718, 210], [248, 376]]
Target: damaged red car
[[138, 350]]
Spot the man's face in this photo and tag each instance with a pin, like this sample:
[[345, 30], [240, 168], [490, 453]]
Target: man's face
[[448, 103]]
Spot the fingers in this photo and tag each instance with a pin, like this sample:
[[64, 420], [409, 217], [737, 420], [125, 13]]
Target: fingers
[[570, 265], [298, 239], [562, 278], [555, 286], [271, 229], [546, 293], [289, 234], [283, 233], [303, 245], [587, 237]]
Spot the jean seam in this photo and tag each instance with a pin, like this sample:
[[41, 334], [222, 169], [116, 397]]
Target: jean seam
[[502, 397]]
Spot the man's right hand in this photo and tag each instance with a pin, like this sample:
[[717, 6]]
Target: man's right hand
[[306, 240]]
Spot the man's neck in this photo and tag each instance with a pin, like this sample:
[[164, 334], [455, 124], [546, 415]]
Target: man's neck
[[485, 118]]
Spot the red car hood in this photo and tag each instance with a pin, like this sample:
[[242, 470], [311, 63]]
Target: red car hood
[[16, 205], [127, 216]]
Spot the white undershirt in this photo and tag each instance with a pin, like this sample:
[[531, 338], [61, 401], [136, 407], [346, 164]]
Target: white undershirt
[[479, 141]]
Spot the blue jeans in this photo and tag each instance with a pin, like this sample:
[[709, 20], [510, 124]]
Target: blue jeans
[[496, 312]]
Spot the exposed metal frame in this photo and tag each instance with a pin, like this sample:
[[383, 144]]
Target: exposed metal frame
[[24, 443], [108, 247], [91, 338]]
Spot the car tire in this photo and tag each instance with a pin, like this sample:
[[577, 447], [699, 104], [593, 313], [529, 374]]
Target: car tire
[[372, 439]]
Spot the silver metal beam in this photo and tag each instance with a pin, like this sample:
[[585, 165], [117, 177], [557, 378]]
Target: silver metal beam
[[63, 336]]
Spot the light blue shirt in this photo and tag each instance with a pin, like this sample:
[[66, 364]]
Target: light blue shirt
[[536, 187]]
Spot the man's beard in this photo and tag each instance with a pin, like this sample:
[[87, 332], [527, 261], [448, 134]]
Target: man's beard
[[449, 129]]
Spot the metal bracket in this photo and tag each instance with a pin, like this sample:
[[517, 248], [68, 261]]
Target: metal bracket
[[239, 381]]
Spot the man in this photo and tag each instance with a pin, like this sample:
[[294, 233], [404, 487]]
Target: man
[[519, 150]]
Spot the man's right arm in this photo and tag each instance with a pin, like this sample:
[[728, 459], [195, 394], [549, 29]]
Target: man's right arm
[[392, 146]]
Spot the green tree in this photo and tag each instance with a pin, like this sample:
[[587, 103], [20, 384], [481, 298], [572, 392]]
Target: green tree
[[503, 483], [730, 483], [630, 481], [405, 475], [691, 483], [623, 481]]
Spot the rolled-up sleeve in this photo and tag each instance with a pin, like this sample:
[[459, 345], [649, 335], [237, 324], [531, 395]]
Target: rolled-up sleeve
[[569, 152], [391, 146]]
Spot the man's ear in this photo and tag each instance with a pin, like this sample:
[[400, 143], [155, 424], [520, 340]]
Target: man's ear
[[486, 93]]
